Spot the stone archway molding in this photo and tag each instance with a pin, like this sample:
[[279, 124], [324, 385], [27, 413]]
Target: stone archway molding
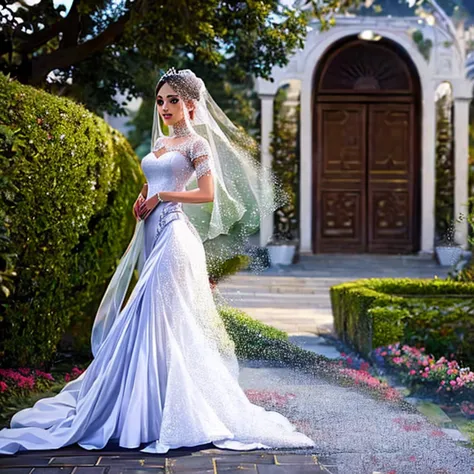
[[311, 62]]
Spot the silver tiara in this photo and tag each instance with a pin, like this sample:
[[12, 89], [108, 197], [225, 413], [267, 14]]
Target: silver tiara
[[173, 72]]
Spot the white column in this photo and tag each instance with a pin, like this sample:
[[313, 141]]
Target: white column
[[306, 175], [266, 223], [461, 167], [428, 171]]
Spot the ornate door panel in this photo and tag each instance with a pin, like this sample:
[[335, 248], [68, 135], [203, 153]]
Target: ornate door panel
[[365, 178], [367, 147], [340, 215], [391, 173]]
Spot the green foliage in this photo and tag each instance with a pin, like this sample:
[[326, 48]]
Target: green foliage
[[285, 151], [257, 341], [219, 270], [251, 337], [444, 205], [69, 212], [424, 44], [98, 48], [376, 312], [443, 329]]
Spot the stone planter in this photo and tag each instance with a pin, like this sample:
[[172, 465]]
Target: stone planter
[[448, 255], [281, 254]]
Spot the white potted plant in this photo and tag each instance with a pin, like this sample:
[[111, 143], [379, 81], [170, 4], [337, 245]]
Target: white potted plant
[[281, 250], [448, 252]]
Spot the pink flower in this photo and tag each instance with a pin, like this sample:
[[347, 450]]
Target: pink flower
[[452, 383], [76, 371], [3, 387], [26, 382], [67, 378], [45, 375], [412, 372]]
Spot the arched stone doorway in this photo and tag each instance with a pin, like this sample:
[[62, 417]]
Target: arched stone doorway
[[366, 150]]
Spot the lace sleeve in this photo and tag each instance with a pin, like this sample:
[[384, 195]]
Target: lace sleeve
[[158, 144], [200, 156]]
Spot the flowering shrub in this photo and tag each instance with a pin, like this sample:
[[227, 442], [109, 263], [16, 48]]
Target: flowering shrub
[[365, 379], [24, 381], [75, 373], [418, 368], [467, 409], [358, 369]]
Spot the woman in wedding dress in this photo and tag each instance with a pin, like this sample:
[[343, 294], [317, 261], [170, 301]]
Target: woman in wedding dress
[[164, 371]]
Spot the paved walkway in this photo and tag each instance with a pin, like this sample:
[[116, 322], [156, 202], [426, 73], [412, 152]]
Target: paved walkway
[[116, 460], [354, 434], [296, 298]]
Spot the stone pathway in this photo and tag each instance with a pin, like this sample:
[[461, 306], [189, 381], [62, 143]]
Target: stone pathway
[[296, 298], [360, 435], [354, 434], [115, 460]]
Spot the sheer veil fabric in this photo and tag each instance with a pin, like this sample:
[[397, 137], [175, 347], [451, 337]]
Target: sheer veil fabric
[[164, 371]]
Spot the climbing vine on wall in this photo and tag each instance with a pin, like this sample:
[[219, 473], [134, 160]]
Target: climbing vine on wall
[[286, 163]]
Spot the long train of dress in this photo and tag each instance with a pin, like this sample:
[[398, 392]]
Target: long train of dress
[[157, 378]]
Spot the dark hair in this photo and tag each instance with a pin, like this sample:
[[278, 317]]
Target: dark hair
[[187, 86]]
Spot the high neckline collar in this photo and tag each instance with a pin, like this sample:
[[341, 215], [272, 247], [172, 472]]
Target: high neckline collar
[[180, 129]]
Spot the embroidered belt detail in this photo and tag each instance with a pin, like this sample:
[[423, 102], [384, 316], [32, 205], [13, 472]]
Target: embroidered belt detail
[[166, 217]]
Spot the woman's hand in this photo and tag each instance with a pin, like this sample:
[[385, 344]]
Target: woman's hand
[[147, 207], [140, 199]]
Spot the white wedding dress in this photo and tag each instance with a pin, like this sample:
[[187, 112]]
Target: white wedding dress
[[159, 377]]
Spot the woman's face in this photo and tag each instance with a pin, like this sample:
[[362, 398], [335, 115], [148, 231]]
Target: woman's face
[[170, 105]]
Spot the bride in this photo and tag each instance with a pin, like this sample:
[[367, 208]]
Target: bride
[[164, 371]]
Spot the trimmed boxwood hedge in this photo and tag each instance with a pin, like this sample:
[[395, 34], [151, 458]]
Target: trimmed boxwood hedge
[[72, 181], [375, 312]]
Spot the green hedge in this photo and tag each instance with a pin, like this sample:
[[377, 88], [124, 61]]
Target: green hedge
[[72, 182], [375, 312], [251, 337]]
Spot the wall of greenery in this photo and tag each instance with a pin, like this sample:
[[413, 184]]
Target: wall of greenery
[[286, 166], [67, 185]]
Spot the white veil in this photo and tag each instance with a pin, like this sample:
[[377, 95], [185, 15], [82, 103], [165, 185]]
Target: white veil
[[244, 192]]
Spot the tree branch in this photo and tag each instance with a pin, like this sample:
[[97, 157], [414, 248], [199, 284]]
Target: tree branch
[[38, 39], [62, 58]]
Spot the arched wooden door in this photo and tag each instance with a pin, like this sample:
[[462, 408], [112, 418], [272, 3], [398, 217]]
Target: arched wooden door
[[366, 151]]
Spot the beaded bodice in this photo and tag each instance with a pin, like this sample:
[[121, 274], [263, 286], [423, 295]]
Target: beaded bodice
[[173, 160]]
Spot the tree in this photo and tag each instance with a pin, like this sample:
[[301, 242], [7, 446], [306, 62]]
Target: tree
[[100, 46]]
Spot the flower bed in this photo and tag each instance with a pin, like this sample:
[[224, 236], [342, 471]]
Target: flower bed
[[425, 374], [20, 388], [25, 381]]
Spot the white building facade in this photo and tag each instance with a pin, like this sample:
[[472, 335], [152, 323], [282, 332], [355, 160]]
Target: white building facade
[[368, 134]]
